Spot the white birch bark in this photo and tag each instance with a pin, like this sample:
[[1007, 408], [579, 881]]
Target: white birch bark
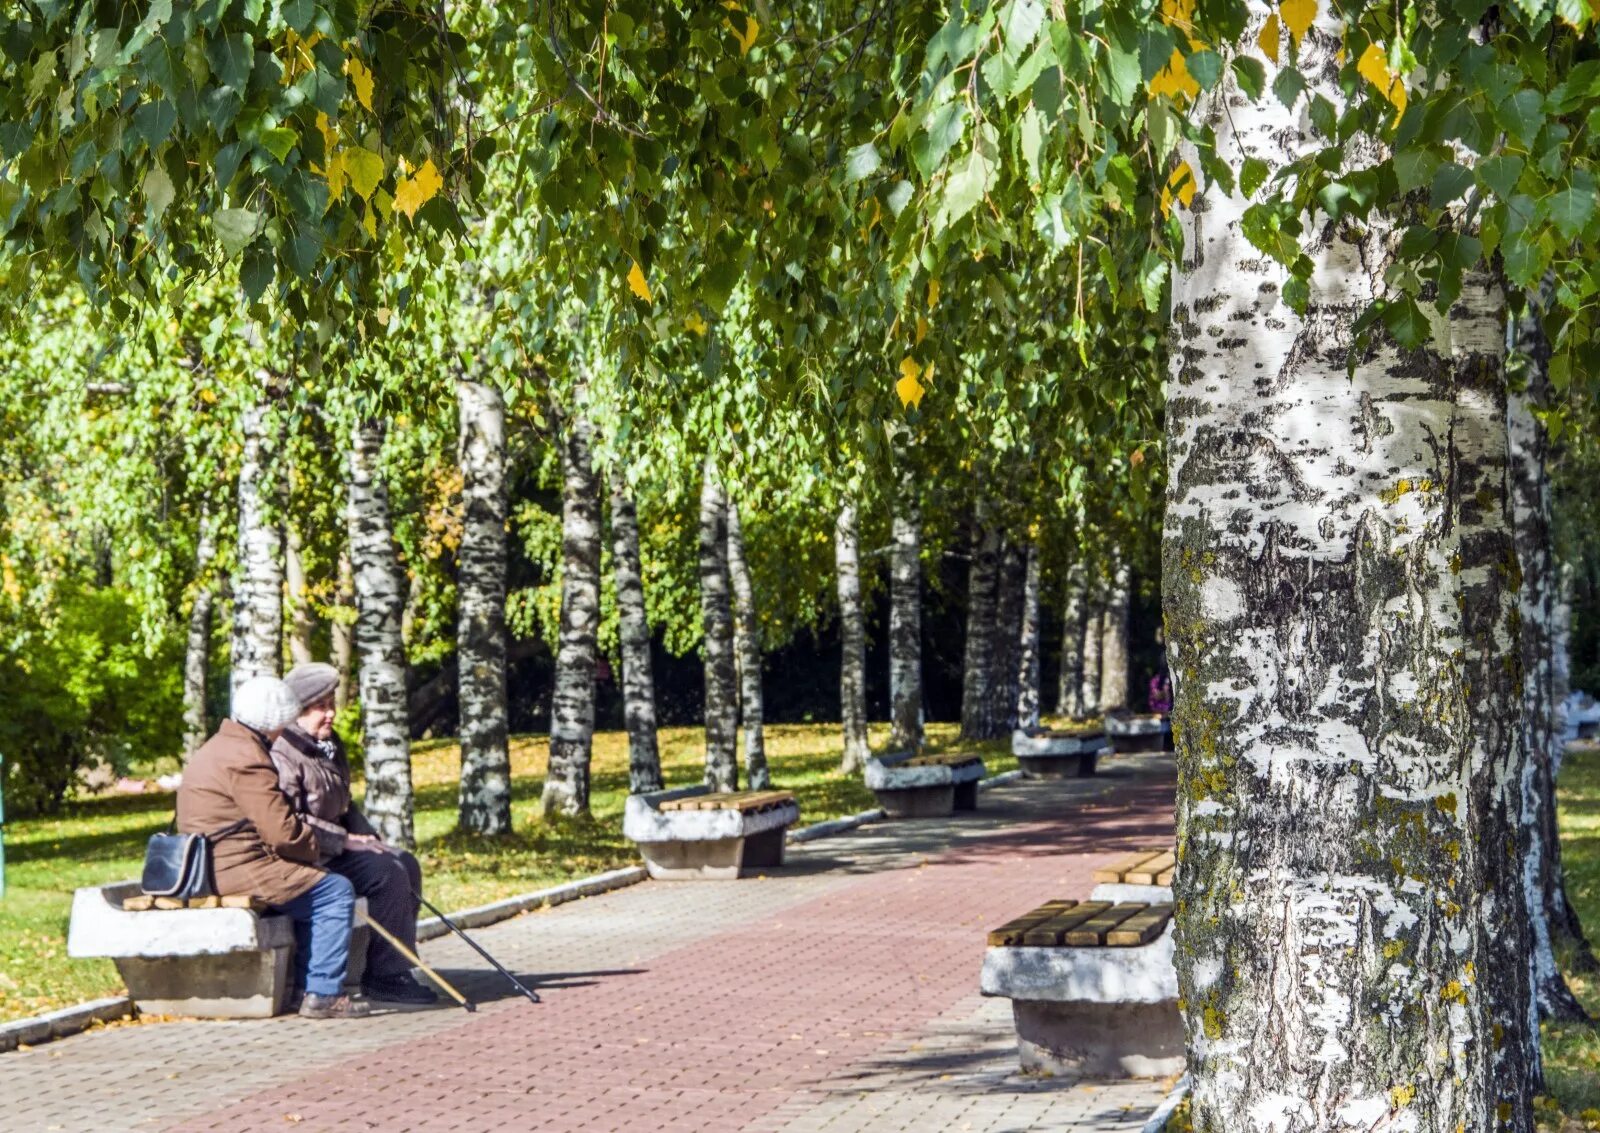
[[299, 601], [1094, 620], [716, 615], [1114, 641], [1027, 710], [1352, 949], [258, 586], [1069, 686], [747, 656], [566, 787], [852, 641], [341, 632], [978, 668], [638, 679], [380, 587], [484, 800], [1566, 928], [197, 649], [1004, 689], [905, 617]]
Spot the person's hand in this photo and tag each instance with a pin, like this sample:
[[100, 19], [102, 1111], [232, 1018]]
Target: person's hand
[[366, 842]]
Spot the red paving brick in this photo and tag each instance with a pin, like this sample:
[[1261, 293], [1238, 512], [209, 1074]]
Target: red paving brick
[[718, 1034]]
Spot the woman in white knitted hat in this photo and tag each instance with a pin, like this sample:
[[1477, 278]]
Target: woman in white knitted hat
[[231, 782]]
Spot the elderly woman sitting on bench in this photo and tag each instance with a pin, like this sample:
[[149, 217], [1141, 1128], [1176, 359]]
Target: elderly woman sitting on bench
[[315, 776]]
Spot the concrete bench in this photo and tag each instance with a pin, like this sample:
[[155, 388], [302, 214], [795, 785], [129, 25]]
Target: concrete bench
[[1043, 753], [692, 832], [214, 957], [925, 786], [1149, 732], [1144, 875], [1092, 987]]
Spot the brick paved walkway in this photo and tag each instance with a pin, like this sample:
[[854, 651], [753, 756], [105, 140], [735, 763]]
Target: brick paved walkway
[[838, 993]]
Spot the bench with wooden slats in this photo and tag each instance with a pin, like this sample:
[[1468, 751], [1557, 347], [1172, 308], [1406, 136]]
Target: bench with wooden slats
[[143, 903], [944, 759], [745, 802], [1084, 924], [1144, 867]]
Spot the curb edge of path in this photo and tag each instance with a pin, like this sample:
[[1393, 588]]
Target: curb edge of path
[[1158, 1119], [72, 1020]]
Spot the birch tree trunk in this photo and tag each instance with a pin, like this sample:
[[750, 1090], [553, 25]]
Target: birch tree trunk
[[747, 652], [1114, 642], [1004, 687], [484, 802], [852, 641], [258, 591], [300, 623], [1027, 710], [197, 649], [1094, 622], [905, 618], [716, 615], [566, 787], [638, 681], [977, 667], [340, 632], [1352, 942], [380, 587], [1069, 687]]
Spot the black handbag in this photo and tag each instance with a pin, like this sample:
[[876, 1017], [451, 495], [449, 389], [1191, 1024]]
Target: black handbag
[[179, 865]]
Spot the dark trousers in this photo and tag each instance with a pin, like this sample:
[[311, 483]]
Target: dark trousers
[[389, 882]]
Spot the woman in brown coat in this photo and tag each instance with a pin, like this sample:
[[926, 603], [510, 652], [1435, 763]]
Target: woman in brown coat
[[231, 782]]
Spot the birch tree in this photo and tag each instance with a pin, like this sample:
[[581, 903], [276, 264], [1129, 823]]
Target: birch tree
[[852, 641], [1114, 640], [1093, 639], [1027, 707], [197, 649], [905, 613], [485, 793], [978, 659], [721, 694], [299, 599], [1004, 686], [1069, 685], [258, 587], [638, 681], [1341, 619], [380, 587]]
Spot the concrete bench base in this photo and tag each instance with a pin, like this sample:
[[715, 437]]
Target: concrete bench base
[[228, 985], [1140, 733], [927, 791], [1077, 766], [1128, 1040], [719, 859]]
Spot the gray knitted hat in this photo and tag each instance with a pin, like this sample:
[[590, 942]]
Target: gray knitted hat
[[312, 681], [265, 704]]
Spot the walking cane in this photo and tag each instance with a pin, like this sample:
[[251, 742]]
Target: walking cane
[[476, 947], [416, 962]]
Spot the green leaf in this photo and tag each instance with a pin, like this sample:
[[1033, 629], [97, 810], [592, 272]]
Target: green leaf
[[1123, 76], [1251, 74], [365, 169], [1032, 141], [1152, 280], [969, 179], [1571, 210], [1406, 321], [1288, 86], [231, 57], [1450, 183], [226, 164], [1252, 175], [862, 163], [257, 269], [235, 228], [279, 141], [1205, 67], [158, 193], [1521, 115], [1500, 173], [1414, 168], [943, 129], [899, 197], [1020, 21]]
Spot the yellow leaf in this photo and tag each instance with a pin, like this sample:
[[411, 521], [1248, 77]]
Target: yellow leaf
[[336, 174], [638, 284], [1297, 17], [922, 329], [418, 189], [746, 38], [1174, 81], [877, 214], [1180, 185], [691, 321], [1178, 14], [330, 134], [933, 293], [908, 388], [1374, 67], [366, 170], [1268, 39], [370, 222], [361, 79]]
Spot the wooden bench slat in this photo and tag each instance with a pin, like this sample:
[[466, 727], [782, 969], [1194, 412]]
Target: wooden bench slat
[[1164, 877], [1141, 928], [1010, 933], [1147, 873], [1093, 930], [1054, 930], [742, 801], [1113, 873], [144, 902]]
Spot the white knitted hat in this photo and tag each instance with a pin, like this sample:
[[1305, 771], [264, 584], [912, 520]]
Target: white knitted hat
[[265, 704]]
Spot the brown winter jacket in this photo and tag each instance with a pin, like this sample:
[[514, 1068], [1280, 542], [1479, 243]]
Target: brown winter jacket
[[315, 778], [232, 777]]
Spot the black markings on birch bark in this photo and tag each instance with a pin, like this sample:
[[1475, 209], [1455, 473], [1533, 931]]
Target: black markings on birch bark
[[566, 787], [905, 617], [1069, 687], [197, 647], [258, 590], [716, 616], [852, 640], [380, 587], [1340, 602], [978, 667], [1028, 643], [484, 800], [1114, 641], [1094, 621], [747, 655], [1004, 686], [638, 681]]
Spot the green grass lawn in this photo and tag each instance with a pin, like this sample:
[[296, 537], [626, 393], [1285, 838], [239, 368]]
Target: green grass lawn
[[100, 840]]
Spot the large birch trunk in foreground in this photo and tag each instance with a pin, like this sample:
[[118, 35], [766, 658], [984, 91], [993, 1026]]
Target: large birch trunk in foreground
[[484, 797], [905, 618], [633, 627], [1339, 598], [566, 787], [1069, 685], [852, 641], [747, 651], [977, 666], [258, 591], [1114, 642], [197, 649], [716, 615], [1027, 711], [380, 605]]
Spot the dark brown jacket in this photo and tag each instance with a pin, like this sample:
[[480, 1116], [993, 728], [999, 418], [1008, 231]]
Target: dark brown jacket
[[315, 777], [232, 777]]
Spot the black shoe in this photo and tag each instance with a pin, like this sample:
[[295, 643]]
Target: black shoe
[[315, 1006], [398, 989]]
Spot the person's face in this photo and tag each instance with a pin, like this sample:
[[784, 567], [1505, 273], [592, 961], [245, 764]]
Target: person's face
[[317, 719]]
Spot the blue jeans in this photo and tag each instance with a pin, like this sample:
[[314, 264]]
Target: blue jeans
[[322, 918]]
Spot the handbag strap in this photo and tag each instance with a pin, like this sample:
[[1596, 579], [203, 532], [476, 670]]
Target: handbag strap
[[231, 828]]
